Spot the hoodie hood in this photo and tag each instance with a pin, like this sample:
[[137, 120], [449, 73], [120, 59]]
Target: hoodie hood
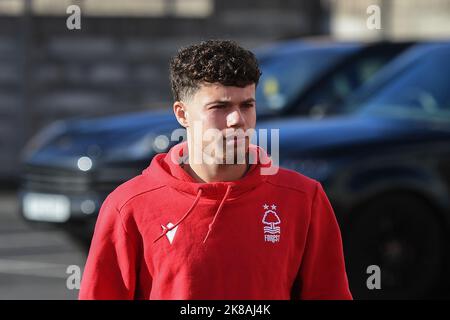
[[171, 173], [166, 168]]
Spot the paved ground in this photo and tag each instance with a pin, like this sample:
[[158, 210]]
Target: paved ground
[[33, 262]]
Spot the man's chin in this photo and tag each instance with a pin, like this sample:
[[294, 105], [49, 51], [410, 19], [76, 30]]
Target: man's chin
[[238, 155]]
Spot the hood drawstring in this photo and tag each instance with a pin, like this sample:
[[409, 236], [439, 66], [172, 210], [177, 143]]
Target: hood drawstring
[[219, 209], [166, 229], [217, 212]]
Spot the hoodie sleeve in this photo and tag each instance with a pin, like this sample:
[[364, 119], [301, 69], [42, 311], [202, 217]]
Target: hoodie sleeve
[[110, 268], [322, 272]]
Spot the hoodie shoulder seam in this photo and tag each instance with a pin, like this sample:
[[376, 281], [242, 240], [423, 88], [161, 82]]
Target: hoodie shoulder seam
[[138, 194], [287, 187], [297, 181]]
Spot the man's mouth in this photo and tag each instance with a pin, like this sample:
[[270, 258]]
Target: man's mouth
[[235, 139]]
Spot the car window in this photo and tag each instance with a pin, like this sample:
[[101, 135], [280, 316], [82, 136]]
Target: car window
[[324, 98], [285, 75], [421, 90]]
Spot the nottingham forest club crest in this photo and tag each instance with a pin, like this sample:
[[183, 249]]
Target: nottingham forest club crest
[[271, 223]]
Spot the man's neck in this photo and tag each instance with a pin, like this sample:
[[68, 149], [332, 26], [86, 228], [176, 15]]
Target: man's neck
[[216, 172]]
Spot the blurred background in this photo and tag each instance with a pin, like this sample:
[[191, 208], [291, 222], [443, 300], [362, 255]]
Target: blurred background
[[360, 91]]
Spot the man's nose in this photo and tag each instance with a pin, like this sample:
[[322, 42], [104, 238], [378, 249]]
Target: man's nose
[[235, 119]]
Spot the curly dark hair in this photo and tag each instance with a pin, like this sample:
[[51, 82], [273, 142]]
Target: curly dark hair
[[211, 61]]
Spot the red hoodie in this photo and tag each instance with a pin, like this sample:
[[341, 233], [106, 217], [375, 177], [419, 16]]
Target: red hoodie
[[161, 235]]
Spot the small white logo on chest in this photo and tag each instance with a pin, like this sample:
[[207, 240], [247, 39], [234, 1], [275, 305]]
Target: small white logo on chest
[[271, 220], [170, 234]]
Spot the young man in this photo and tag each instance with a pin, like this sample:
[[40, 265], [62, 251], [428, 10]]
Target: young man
[[200, 224]]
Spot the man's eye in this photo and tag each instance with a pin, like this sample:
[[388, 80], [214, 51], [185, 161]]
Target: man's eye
[[219, 106], [248, 105]]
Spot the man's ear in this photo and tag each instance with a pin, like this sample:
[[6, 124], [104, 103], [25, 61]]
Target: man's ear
[[180, 111]]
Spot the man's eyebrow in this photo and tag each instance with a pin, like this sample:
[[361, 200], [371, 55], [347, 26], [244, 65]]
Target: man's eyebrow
[[228, 101], [218, 102]]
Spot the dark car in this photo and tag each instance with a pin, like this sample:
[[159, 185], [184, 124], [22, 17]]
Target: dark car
[[70, 167], [386, 169], [314, 78]]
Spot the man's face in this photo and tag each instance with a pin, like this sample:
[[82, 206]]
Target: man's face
[[227, 109]]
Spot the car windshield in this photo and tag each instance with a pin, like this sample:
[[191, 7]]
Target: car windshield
[[420, 89], [285, 75]]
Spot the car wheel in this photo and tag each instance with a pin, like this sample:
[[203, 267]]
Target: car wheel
[[402, 235]]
